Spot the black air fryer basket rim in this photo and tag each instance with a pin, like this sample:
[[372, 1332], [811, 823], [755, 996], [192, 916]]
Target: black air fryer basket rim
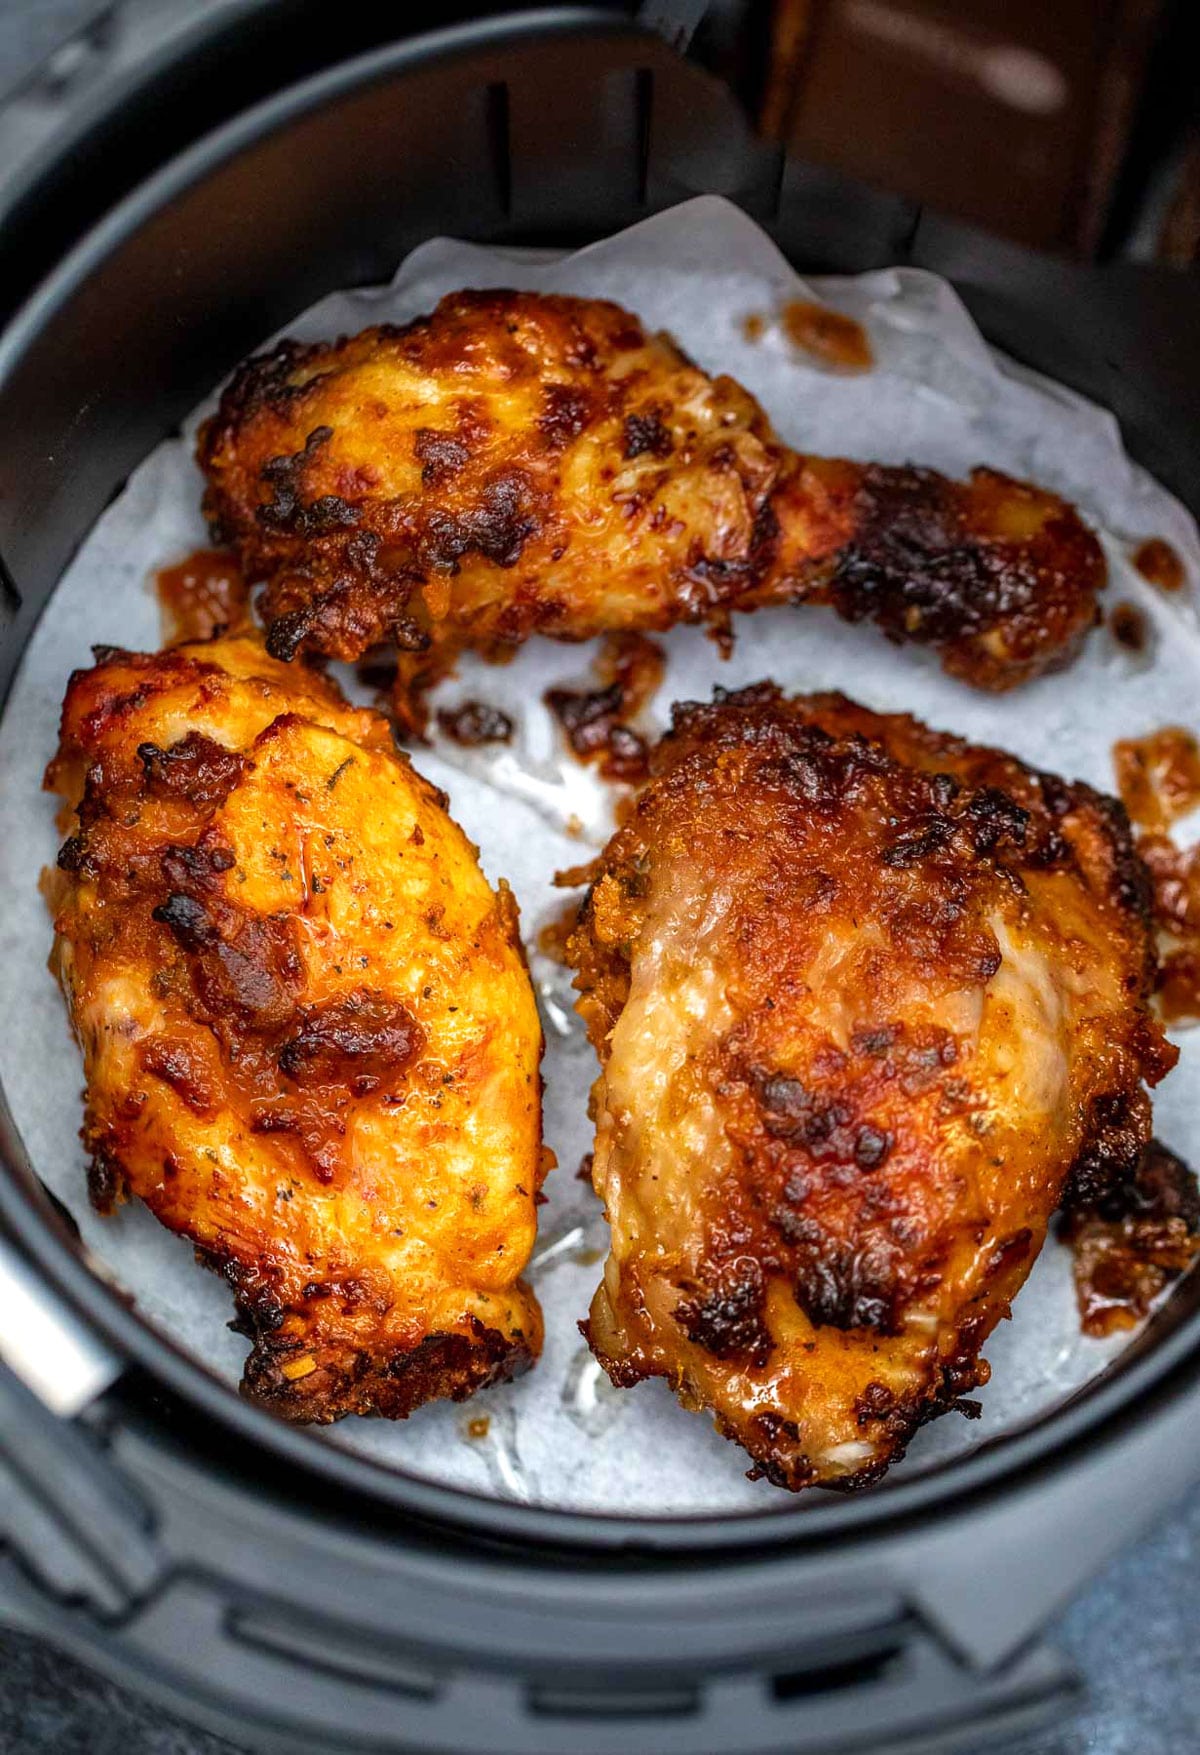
[[1097, 1414]]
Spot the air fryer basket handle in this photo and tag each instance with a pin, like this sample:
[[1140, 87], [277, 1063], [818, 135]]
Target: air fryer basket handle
[[47, 1346], [65, 1514]]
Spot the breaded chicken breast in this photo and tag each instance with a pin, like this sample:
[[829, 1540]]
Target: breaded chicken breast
[[309, 1038], [868, 1001], [521, 463]]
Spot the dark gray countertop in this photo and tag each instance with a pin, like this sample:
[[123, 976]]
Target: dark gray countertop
[[1135, 1635]]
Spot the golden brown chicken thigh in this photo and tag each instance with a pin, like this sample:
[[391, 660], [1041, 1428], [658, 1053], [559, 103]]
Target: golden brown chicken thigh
[[520, 463], [867, 1001], [310, 1041]]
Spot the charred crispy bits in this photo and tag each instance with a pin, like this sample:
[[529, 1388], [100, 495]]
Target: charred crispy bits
[[519, 463], [309, 1037], [1133, 1240], [866, 998]]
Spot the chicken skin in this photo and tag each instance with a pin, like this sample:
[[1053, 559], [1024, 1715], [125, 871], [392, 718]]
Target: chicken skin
[[520, 463], [310, 1041], [869, 1003]]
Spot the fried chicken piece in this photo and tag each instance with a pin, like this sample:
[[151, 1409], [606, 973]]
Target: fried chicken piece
[[868, 1000], [310, 1041], [519, 463]]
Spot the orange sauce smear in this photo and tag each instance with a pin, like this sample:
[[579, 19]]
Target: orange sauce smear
[[1158, 562], [834, 339], [202, 596]]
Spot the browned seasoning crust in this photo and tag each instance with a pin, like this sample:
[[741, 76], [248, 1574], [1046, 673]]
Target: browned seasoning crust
[[518, 463], [867, 1000], [309, 1037]]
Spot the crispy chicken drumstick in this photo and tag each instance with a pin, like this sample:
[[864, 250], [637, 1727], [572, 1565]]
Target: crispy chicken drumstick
[[310, 1042], [520, 463], [868, 1001]]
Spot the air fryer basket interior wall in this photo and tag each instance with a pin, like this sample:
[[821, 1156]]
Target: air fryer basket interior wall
[[244, 1571]]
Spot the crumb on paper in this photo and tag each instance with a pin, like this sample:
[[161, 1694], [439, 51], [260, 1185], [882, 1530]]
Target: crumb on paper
[[552, 936], [576, 876], [720, 632], [472, 723], [1129, 626]]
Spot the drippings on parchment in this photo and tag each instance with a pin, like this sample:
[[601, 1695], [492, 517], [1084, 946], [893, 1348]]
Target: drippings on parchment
[[629, 670], [636, 664], [1158, 776], [475, 722], [1129, 627], [409, 680], [1158, 562], [1132, 1243], [1175, 874], [414, 676], [594, 728], [831, 337], [1175, 880], [1178, 986], [202, 596], [835, 341]]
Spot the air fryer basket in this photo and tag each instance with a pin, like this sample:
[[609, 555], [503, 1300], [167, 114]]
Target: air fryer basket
[[280, 1589]]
